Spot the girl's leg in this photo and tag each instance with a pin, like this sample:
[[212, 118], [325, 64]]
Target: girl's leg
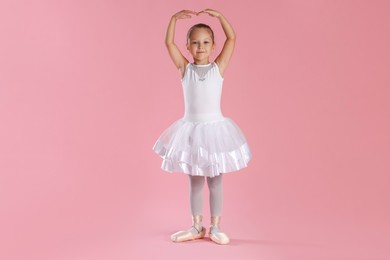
[[216, 195], [196, 194], [216, 199], [196, 202]]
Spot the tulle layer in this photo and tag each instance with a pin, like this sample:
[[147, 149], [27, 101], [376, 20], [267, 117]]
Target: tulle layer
[[203, 148]]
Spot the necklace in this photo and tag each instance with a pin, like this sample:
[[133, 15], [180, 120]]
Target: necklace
[[201, 70]]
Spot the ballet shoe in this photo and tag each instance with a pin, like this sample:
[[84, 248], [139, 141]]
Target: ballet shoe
[[215, 234], [187, 235]]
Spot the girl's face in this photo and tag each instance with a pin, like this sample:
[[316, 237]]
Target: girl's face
[[200, 44]]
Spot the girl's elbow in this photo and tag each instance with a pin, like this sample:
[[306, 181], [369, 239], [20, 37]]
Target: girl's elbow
[[232, 38]]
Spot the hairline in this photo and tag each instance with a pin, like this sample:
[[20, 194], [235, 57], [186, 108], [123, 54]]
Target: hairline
[[201, 26]]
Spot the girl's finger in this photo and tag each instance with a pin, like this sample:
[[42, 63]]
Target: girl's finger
[[190, 11], [185, 16]]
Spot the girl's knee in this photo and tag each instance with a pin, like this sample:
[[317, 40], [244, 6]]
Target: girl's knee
[[214, 182], [196, 181]]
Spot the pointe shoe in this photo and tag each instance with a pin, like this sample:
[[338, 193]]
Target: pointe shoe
[[187, 235], [215, 234]]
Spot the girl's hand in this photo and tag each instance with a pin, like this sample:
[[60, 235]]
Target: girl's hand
[[184, 14], [211, 12]]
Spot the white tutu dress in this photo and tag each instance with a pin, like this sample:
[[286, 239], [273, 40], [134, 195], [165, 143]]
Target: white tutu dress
[[203, 142]]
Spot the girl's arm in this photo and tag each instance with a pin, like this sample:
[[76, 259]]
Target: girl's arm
[[227, 51], [177, 57]]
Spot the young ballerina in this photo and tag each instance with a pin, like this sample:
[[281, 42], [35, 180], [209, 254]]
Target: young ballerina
[[203, 144]]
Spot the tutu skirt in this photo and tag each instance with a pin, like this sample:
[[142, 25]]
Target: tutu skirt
[[203, 148]]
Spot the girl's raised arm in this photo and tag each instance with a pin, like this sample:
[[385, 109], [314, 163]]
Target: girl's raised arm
[[177, 57], [227, 51]]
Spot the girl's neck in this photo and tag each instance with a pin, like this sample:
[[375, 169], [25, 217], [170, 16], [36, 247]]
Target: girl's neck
[[201, 62]]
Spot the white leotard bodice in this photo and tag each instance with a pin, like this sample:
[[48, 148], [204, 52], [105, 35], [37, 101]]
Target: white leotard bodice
[[202, 89]]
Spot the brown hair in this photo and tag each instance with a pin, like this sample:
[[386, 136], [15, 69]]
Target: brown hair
[[200, 25]]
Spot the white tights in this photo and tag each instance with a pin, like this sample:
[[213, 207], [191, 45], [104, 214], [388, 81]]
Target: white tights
[[196, 194]]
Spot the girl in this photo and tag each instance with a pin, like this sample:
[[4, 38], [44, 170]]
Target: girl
[[203, 144]]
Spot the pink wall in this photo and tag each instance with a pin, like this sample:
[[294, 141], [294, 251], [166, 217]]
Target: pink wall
[[86, 87]]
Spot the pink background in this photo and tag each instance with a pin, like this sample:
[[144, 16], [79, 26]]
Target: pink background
[[86, 87]]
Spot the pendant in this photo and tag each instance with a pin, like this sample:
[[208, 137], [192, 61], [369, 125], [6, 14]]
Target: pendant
[[202, 79]]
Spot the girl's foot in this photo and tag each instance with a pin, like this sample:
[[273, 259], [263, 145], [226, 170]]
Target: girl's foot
[[215, 234], [196, 232]]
